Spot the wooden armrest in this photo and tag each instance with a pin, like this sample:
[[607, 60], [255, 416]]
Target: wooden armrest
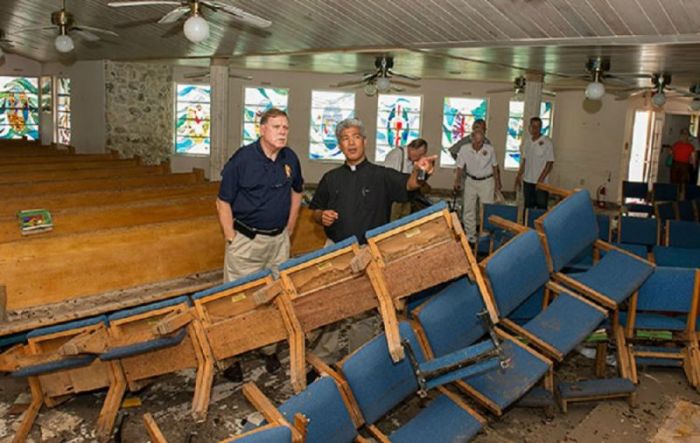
[[508, 225], [605, 246], [267, 293], [263, 404], [92, 342], [361, 260], [561, 192], [173, 322], [153, 430], [322, 367], [12, 359]]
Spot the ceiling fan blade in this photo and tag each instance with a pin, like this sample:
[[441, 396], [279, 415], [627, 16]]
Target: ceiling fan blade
[[242, 77], [396, 89], [407, 77], [237, 13], [496, 91], [97, 30], [549, 93], [34, 28], [87, 35], [143, 3], [197, 74], [175, 15], [349, 83]]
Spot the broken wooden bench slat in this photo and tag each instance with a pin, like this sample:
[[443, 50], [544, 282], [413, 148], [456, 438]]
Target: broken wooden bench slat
[[64, 186], [44, 270]]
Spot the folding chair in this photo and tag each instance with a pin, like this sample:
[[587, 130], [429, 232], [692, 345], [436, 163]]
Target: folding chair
[[532, 214], [569, 228], [419, 251], [318, 414], [682, 234], [586, 258], [665, 192], [686, 210], [237, 317], [677, 257], [639, 193], [666, 302], [377, 385], [637, 235], [491, 236], [53, 376], [451, 321]]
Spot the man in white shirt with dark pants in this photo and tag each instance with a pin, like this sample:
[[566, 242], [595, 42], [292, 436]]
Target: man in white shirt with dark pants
[[536, 163], [477, 171]]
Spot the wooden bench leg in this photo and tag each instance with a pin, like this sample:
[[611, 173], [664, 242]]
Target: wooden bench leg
[[205, 373], [112, 402], [297, 342], [153, 430], [31, 412], [601, 352], [387, 311]]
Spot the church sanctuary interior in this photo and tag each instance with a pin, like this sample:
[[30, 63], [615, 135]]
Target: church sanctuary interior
[[487, 227]]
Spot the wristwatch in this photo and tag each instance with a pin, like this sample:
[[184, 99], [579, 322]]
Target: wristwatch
[[229, 241]]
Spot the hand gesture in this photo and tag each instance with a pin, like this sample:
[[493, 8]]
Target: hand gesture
[[328, 217]]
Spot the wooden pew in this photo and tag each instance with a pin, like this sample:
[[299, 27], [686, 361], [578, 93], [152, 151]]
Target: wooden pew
[[63, 186], [56, 202], [71, 221], [43, 158], [44, 270], [98, 171], [113, 163]]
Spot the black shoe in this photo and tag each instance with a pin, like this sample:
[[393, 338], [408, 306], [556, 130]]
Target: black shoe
[[272, 363], [311, 376], [234, 373]]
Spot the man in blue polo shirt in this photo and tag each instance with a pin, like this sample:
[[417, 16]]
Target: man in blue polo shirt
[[258, 205]]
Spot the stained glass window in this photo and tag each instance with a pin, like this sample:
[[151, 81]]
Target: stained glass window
[[46, 94], [515, 130], [19, 107], [63, 110], [328, 108], [458, 115], [257, 101], [398, 122], [193, 123]]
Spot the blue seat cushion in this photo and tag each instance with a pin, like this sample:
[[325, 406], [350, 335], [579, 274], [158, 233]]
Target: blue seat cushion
[[233, 284], [674, 256], [318, 253], [378, 383], [441, 421], [565, 323], [77, 324], [451, 360], [145, 346], [322, 404], [13, 339], [125, 313], [277, 434], [506, 386], [55, 365], [616, 275], [592, 388], [529, 309], [653, 321], [638, 250], [636, 230]]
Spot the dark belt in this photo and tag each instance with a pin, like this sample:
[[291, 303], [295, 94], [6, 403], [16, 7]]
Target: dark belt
[[479, 178], [251, 232]]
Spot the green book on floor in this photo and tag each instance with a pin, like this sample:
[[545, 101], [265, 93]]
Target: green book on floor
[[34, 221]]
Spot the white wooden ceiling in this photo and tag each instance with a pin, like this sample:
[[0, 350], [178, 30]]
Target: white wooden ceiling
[[466, 39]]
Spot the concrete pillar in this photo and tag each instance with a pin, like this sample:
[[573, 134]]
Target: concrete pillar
[[219, 128], [533, 99]]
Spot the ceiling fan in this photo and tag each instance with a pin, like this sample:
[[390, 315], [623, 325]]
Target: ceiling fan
[[4, 42], [598, 75], [519, 88], [66, 25], [206, 74], [660, 89], [383, 79], [196, 29]]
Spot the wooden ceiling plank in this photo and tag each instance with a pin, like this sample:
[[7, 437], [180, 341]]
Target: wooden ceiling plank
[[580, 26], [492, 18], [462, 13], [679, 16], [591, 17], [520, 18], [637, 22]]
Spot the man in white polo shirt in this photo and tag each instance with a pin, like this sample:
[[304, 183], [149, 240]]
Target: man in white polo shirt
[[536, 163], [476, 161]]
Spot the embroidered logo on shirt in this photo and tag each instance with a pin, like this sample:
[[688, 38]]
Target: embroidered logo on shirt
[[541, 142], [288, 170], [484, 153]]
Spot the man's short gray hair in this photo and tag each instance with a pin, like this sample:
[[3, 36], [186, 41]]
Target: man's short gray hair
[[350, 123]]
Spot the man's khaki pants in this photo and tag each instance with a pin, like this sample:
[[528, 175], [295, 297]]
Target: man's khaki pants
[[245, 256], [481, 190]]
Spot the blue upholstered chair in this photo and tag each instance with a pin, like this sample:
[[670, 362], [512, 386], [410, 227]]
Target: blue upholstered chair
[[378, 385], [665, 211], [637, 235], [677, 257], [667, 302], [683, 234], [492, 237], [639, 193], [532, 214], [450, 321], [665, 192], [52, 374], [322, 405], [686, 210], [571, 227], [585, 260]]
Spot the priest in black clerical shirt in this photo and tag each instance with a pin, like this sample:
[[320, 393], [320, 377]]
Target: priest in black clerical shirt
[[357, 196]]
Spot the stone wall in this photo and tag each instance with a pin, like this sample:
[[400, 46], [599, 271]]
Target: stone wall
[[139, 109]]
